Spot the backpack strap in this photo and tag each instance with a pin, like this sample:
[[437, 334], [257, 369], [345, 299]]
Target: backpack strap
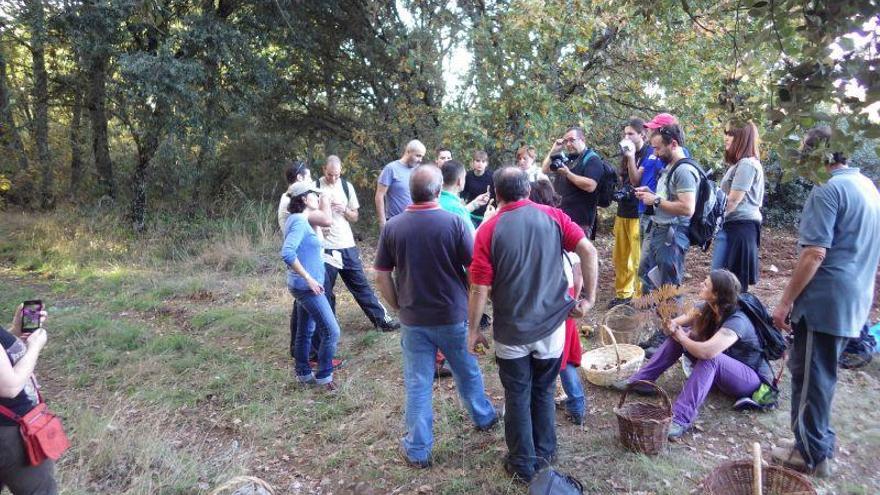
[[10, 414], [700, 173]]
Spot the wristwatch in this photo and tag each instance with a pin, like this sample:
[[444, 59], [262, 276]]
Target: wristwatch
[[657, 201]]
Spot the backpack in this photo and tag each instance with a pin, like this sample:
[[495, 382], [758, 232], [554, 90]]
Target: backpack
[[345, 186], [709, 209], [773, 343], [608, 181]]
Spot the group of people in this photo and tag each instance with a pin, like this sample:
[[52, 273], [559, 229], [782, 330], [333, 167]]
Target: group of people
[[453, 239]]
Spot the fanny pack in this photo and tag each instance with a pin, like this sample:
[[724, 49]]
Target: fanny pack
[[41, 433]]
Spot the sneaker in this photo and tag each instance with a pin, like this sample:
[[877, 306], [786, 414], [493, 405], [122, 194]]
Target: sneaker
[[329, 387], [746, 404], [791, 458], [442, 370], [516, 475], [388, 324], [424, 464], [337, 363], [617, 301], [676, 431]]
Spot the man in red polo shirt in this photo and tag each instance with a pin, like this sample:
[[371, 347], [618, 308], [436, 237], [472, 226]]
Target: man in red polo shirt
[[517, 257]]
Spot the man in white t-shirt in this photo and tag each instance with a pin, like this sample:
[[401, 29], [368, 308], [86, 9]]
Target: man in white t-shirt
[[341, 255]]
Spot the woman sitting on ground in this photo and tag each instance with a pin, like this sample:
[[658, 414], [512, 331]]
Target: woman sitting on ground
[[723, 348], [18, 393], [302, 252]]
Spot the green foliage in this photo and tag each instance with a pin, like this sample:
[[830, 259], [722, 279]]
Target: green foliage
[[205, 100]]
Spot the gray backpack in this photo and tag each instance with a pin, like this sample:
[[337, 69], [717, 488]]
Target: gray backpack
[[552, 482]]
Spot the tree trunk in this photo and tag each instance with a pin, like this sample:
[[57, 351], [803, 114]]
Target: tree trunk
[[97, 94], [9, 137], [76, 161], [41, 100]]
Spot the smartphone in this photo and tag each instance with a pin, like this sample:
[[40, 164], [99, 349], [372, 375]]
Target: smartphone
[[30, 315]]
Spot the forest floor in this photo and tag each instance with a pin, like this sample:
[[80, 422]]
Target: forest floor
[[173, 377]]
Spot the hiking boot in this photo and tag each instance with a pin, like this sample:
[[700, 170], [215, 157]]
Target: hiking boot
[[574, 418], [516, 475], [424, 464], [676, 431], [652, 344], [388, 324], [791, 458], [617, 301], [849, 361], [489, 426]]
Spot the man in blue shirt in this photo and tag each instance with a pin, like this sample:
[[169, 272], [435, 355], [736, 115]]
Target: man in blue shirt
[[392, 190], [827, 299]]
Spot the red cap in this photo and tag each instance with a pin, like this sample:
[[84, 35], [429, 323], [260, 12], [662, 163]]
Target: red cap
[[661, 120]]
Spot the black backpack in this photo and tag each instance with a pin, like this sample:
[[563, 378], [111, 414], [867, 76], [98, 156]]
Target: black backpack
[[709, 210], [608, 181], [773, 344]]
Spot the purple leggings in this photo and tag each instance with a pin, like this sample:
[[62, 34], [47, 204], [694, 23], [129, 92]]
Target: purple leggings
[[731, 376]]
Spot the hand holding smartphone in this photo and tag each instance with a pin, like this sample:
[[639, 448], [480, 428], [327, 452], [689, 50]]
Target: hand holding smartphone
[[31, 313]]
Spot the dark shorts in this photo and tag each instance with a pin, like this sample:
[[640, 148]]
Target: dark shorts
[[16, 473]]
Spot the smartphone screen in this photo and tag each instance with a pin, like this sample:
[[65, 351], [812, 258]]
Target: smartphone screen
[[30, 315]]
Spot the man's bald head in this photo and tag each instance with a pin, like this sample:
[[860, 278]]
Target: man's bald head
[[425, 184], [413, 153], [511, 184]]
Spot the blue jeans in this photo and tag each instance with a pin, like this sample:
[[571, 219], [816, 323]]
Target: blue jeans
[[315, 315], [576, 402], [420, 346], [719, 250], [530, 413], [666, 246]]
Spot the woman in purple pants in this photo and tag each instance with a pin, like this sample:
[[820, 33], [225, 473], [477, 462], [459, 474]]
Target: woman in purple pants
[[723, 348]]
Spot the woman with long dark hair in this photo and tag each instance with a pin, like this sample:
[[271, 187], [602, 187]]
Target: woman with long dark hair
[[302, 252], [723, 348], [736, 245]]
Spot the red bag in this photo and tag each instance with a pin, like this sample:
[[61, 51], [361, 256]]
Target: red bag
[[41, 432]]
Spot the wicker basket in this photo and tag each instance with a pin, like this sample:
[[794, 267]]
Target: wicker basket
[[625, 322], [735, 478], [609, 364], [644, 427]]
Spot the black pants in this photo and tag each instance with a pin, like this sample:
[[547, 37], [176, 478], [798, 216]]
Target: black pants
[[16, 473], [352, 273], [813, 364]]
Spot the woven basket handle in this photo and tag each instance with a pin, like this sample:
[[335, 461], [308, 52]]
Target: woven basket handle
[[613, 341], [652, 384]]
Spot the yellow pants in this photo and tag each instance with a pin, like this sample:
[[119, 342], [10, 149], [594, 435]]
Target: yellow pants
[[626, 256]]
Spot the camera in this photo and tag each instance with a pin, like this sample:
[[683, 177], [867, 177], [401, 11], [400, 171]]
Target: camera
[[625, 193], [627, 146], [558, 161]]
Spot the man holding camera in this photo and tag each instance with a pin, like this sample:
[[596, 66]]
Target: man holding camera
[[673, 204], [578, 170]]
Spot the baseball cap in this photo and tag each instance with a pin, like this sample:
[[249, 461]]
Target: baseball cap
[[661, 120], [302, 187]]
